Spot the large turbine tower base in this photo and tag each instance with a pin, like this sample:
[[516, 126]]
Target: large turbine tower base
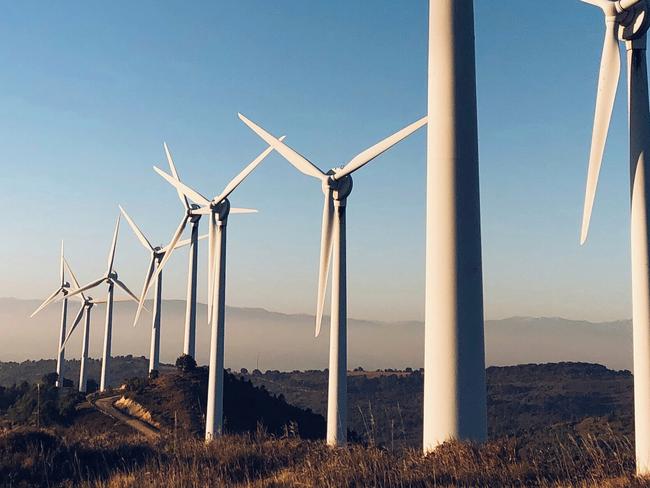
[[454, 355], [639, 126]]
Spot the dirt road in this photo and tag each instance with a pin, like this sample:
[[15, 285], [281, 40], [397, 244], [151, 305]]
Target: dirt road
[[105, 405]]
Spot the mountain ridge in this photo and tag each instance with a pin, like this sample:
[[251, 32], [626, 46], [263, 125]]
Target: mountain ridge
[[259, 338]]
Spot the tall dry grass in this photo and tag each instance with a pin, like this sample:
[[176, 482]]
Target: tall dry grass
[[40, 458]]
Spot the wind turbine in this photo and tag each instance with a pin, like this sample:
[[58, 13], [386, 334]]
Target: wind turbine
[[192, 215], [157, 255], [218, 209], [62, 290], [627, 21], [87, 303], [111, 279], [336, 185], [189, 338]]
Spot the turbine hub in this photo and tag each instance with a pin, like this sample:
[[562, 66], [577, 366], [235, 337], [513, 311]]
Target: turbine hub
[[221, 209], [191, 213], [340, 188], [633, 22]]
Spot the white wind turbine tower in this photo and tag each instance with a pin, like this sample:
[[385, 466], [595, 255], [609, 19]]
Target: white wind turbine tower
[[111, 279], [62, 290], [218, 209], [336, 185], [454, 404], [157, 255], [627, 21]]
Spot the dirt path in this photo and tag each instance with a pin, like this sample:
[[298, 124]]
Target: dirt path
[[105, 405]]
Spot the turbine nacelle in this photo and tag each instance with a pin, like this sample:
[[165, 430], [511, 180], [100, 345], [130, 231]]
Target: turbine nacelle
[[340, 188], [220, 209]]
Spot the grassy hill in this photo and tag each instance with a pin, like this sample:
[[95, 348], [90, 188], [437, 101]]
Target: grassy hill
[[177, 401], [385, 407], [550, 425]]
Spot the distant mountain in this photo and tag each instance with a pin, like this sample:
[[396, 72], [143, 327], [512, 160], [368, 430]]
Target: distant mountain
[[271, 340]]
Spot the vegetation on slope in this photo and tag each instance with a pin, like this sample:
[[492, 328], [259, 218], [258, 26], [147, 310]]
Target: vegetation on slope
[[177, 400], [39, 458]]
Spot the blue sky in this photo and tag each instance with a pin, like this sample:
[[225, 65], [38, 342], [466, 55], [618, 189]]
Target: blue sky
[[89, 91]]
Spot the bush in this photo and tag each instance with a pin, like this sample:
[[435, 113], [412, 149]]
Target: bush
[[91, 385], [136, 384], [186, 363], [50, 379]]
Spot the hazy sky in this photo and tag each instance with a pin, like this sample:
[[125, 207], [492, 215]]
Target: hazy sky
[[89, 91]]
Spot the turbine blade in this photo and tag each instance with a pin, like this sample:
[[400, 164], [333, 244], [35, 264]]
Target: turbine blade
[[172, 168], [77, 319], [90, 285], [372, 152], [243, 210], [75, 282], [62, 266], [325, 256], [47, 301], [111, 254], [186, 242], [159, 268], [610, 68], [115, 299], [125, 289], [183, 188], [73, 277], [236, 181], [136, 230], [300, 162], [145, 287]]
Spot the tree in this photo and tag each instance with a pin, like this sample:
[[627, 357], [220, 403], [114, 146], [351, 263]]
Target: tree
[[50, 379], [186, 363]]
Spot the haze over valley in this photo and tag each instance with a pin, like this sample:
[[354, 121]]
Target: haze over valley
[[272, 340]]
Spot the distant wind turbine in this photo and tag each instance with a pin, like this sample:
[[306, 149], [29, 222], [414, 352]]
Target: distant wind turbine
[[62, 290], [189, 338], [111, 279], [218, 209], [87, 303], [627, 21], [336, 185], [157, 255]]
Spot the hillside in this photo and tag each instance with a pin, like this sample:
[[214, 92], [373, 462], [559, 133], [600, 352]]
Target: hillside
[[177, 401], [565, 424], [386, 407]]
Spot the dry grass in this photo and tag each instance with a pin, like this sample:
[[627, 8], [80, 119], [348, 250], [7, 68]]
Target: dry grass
[[134, 409], [41, 458]]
